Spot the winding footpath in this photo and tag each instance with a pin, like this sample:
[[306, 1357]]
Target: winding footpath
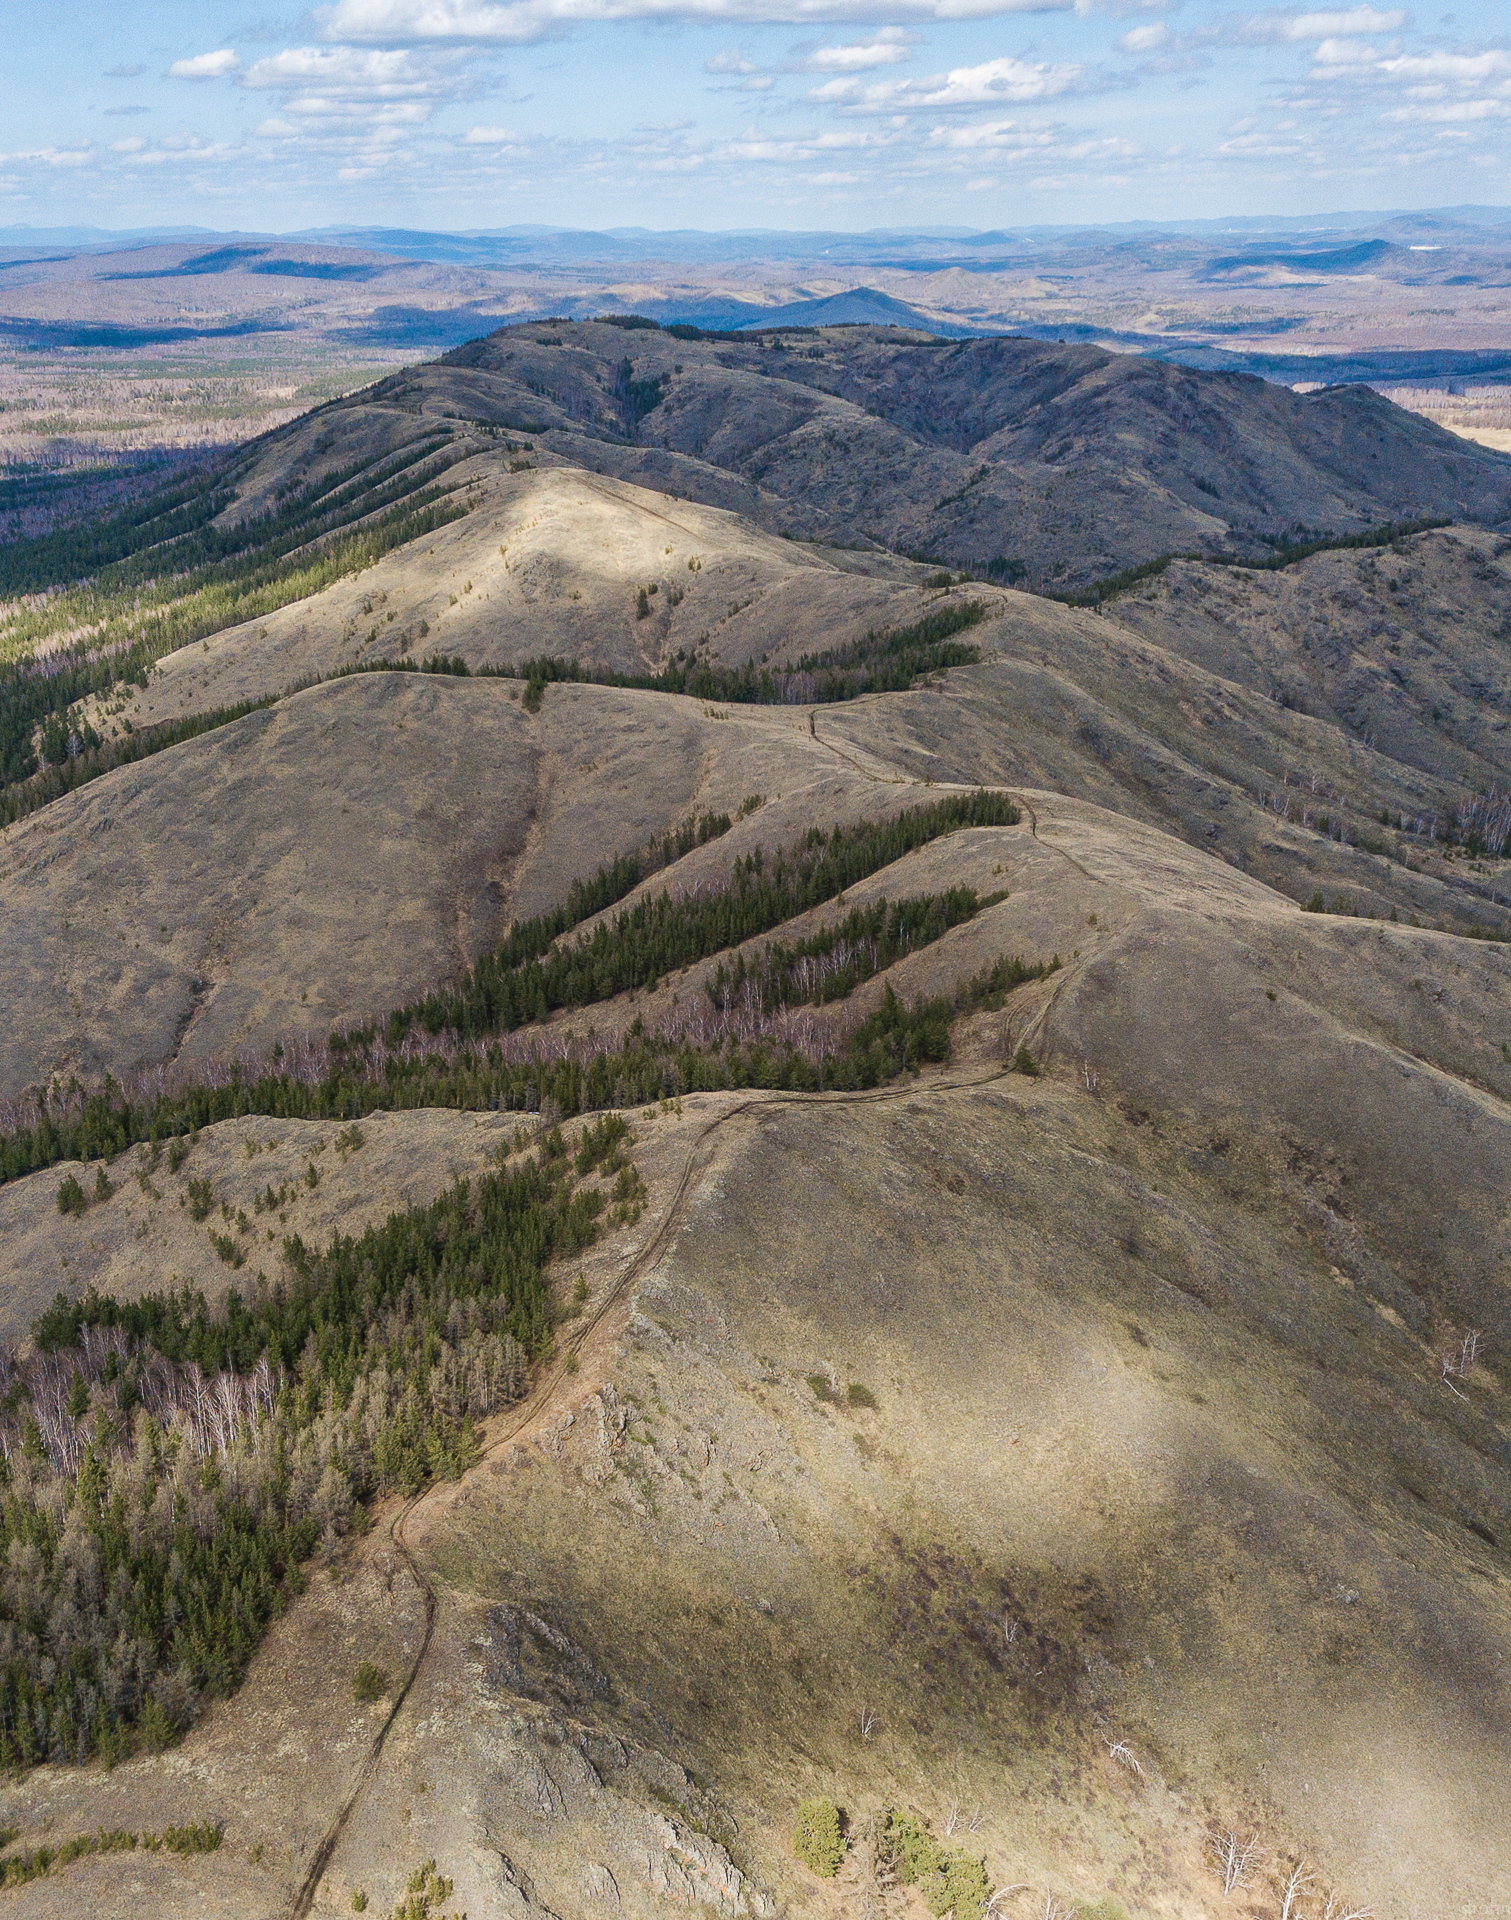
[[534, 1405]]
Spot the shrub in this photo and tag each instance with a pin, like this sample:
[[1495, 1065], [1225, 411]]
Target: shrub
[[200, 1199], [178, 1153], [425, 1895], [369, 1683], [817, 1840], [71, 1196], [1024, 1062], [102, 1186], [950, 1882], [860, 1396], [202, 1838]]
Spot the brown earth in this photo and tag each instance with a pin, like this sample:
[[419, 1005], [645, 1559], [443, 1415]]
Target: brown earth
[[1152, 1442], [1146, 1464]]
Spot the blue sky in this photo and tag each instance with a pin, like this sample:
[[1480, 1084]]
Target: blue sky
[[718, 113]]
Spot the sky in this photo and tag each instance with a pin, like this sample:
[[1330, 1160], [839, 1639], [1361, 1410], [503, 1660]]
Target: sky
[[843, 114]]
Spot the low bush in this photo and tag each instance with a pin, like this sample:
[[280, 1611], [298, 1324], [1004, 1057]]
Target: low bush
[[950, 1882], [203, 1837], [817, 1840], [369, 1683]]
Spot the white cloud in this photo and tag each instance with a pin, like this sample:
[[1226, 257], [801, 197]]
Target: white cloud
[[125, 70], [1330, 26], [1145, 39], [491, 137], [1454, 110], [510, 22], [206, 66], [1462, 69], [1007, 136], [731, 60], [179, 149], [368, 89], [1345, 53], [883, 49], [132, 145], [993, 83], [64, 157]]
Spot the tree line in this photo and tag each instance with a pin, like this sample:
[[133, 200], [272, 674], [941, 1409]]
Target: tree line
[[658, 936], [135, 621], [886, 660], [147, 1551], [371, 1070], [830, 965]]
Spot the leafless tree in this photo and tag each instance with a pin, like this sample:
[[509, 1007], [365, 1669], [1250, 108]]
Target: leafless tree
[[1124, 1755], [952, 1818], [1236, 1859], [1297, 1882], [1338, 1909], [998, 1902], [867, 1722], [1460, 1359]]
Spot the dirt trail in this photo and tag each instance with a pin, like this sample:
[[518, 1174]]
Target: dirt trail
[[534, 1405]]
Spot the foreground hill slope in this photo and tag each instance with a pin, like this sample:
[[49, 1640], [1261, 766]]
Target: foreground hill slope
[[1149, 1444]]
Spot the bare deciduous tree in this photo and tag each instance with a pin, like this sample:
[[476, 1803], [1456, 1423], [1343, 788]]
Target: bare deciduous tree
[[1460, 1359], [1297, 1882], [1236, 1859], [1338, 1909], [867, 1722], [1120, 1751]]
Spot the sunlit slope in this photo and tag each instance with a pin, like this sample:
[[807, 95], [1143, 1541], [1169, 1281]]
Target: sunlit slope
[[1133, 1474], [1356, 1064], [365, 840], [351, 847], [1140, 1456], [550, 561]]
